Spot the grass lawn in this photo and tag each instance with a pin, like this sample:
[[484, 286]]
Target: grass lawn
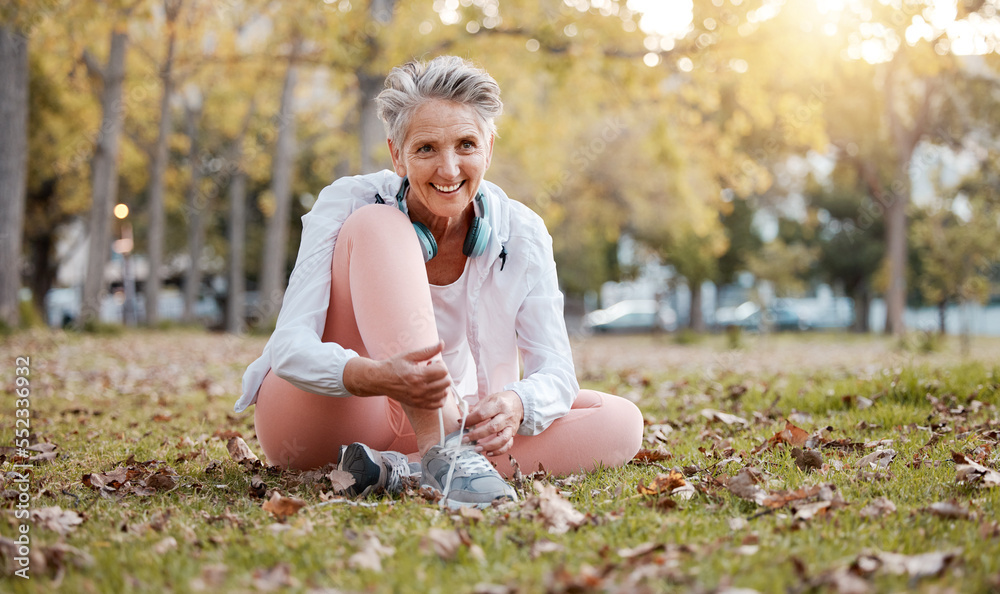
[[792, 463]]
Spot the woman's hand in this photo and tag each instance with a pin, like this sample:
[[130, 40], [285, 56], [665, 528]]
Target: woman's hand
[[413, 378], [494, 421]]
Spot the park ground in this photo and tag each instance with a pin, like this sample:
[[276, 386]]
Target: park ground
[[795, 463]]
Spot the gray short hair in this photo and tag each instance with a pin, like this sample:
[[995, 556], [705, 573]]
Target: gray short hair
[[447, 77]]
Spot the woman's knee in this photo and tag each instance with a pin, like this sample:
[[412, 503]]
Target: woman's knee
[[376, 221]]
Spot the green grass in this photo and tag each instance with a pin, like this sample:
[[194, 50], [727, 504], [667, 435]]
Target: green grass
[[167, 396]]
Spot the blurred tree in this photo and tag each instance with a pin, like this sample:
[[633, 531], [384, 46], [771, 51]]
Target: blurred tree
[[785, 265], [13, 152], [109, 79], [900, 84], [852, 237], [159, 160], [955, 241]]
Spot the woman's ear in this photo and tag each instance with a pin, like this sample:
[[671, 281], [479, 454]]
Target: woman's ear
[[397, 161]]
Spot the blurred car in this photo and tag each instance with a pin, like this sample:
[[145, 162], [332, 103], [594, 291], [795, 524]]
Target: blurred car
[[749, 316], [634, 315]]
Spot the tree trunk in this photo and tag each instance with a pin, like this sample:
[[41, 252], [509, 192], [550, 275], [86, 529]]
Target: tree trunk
[[697, 321], [235, 304], [942, 314], [895, 235], [272, 274], [13, 167], [158, 168], [197, 204], [372, 132], [862, 301], [104, 189]]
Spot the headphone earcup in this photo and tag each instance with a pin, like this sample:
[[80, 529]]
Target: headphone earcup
[[428, 245], [477, 238]]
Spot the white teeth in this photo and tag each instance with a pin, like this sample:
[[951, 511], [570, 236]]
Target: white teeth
[[447, 188]]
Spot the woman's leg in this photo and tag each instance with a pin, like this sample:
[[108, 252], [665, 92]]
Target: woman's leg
[[600, 429], [380, 305]]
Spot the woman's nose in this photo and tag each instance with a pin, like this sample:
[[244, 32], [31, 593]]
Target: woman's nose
[[448, 167]]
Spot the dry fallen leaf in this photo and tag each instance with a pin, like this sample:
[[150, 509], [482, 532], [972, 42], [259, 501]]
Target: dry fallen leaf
[[878, 460], [558, 514], [57, 519], [239, 451], [278, 577], [341, 480], [369, 556], [167, 544], [444, 543], [663, 483], [969, 472], [641, 550], [878, 507], [744, 485], [948, 509], [646, 456], [282, 507], [807, 459], [916, 566], [728, 419], [543, 546]]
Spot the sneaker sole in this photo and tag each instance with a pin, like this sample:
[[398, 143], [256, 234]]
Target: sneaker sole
[[365, 465]]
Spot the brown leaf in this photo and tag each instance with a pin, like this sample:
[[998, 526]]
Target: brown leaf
[[791, 435], [444, 543], [641, 550], [646, 456], [807, 460], [948, 509], [341, 480], [878, 460], [57, 519], [370, 555], [878, 507], [278, 577], [744, 486], [558, 514], [239, 451], [163, 479], [969, 472], [663, 483], [915, 566], [728, 419], [282, 507]]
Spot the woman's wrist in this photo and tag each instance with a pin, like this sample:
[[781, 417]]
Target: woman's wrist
[[358, 374]]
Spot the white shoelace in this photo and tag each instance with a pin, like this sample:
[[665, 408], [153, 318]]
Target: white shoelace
[[453, 451]]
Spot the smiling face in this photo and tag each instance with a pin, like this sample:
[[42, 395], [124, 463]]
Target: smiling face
[[445, 155]]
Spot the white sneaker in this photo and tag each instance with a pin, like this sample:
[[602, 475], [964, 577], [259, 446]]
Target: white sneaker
[[473, 482], [373, 470]]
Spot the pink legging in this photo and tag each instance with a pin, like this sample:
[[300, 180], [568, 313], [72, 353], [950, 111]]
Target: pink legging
[[380, 305]]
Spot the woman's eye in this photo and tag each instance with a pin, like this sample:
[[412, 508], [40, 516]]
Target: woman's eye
[[424, 149], [468, 145]]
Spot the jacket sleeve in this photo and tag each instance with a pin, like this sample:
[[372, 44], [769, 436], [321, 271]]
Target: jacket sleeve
[[549, 385]]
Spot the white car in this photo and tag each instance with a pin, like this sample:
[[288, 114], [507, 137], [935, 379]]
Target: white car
[[634, 315]]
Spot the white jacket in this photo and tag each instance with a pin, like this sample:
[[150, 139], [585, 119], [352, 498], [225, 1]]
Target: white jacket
[[514, 305]]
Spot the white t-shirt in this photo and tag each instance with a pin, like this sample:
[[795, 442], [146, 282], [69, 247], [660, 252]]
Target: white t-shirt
[[450, 314]]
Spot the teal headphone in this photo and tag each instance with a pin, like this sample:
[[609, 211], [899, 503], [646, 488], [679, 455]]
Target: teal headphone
[[476, 239]]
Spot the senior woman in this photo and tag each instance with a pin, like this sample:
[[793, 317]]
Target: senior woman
[[413, 294]]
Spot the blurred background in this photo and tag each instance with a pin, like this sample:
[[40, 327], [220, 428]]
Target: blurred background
[[752, 164]]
